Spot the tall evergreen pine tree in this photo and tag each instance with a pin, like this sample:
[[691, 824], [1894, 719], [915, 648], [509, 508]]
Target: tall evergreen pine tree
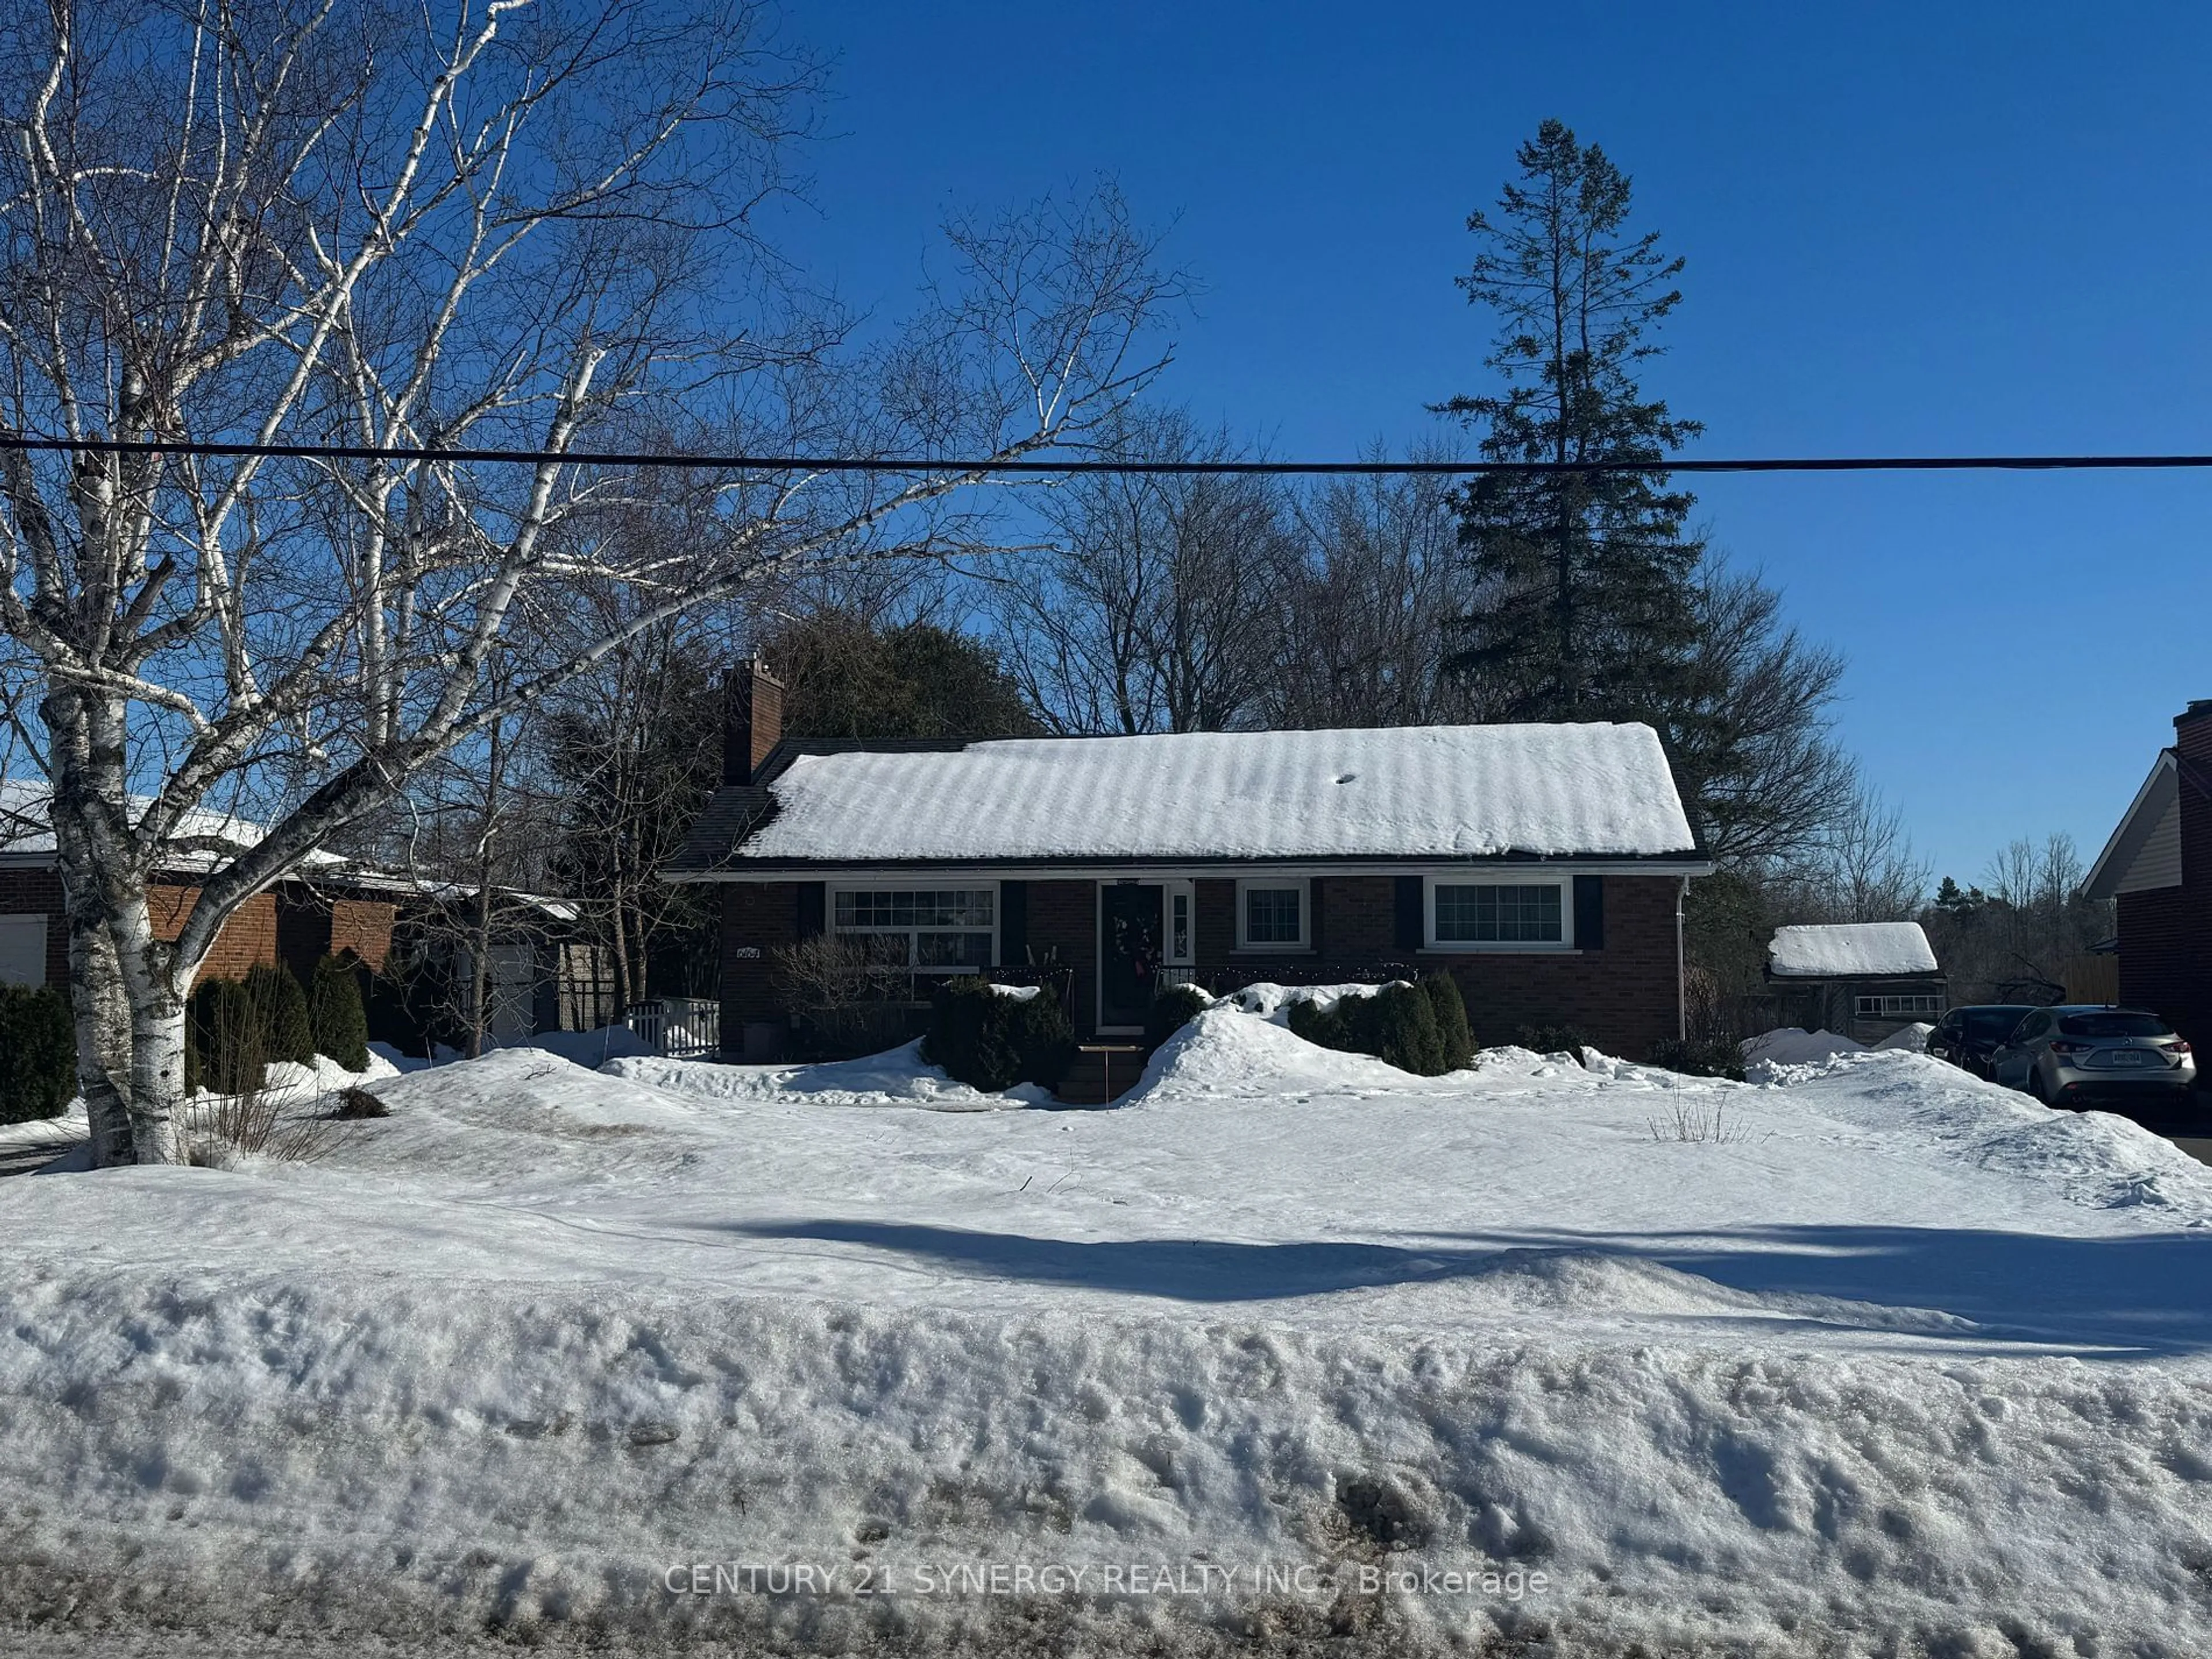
[[1584, 598]]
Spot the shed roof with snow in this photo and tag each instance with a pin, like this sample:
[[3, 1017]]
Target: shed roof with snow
[[1851, 949], [1440, 792]]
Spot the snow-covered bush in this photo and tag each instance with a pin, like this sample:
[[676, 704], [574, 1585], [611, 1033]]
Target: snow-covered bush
[[1554, 1040], [991, 1042], [1172, 1010], [1397, 1025], [38, 1053], [336, 1016], [1714, 1056]]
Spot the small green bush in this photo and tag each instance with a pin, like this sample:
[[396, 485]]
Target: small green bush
[[1456, 1037], [1554, 1039], [990, 1041], [226, 1038], [1397, 1024], [1172, 1010], [280, 1003], [336, 1016], [1711, 1057], [38, 1053]]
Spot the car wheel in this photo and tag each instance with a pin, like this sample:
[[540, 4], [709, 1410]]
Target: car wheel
[[2035, 1085]]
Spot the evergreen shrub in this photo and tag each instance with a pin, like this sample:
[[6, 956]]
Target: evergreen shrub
[[38, 1053], [991, 1041]]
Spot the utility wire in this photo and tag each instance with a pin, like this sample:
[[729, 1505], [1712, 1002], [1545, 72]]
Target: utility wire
[[1035, 464]]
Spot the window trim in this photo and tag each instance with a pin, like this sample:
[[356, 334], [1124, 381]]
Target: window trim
[[1302, 886], [916, 971], [1179, 888], [1860, 1011], [1563, 945]]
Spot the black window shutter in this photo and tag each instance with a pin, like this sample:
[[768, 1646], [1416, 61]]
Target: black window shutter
[[1590, 913], [813, 904], [1013, 923], [1409, 932]]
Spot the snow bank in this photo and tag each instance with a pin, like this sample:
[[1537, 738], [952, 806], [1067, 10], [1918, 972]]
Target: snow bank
[[1792, 1045], [1914, 1038], [1829, 950], [898, 1077], [1908, 1364]]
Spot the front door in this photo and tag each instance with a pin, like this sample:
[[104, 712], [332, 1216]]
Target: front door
[[1129, 950]]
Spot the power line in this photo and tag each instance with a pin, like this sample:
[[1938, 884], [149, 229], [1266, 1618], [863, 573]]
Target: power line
[[1067, 466]]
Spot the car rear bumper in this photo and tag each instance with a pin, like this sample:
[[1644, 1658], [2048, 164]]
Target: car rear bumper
[[2079, 1085]]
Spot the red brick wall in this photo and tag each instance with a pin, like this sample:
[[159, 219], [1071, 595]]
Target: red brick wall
[[247, 938], [1064, 920], [2156, 967], [364, 927], [1216, 903], [1622, 995], [38, 892], [758, 919], [2187, 964]]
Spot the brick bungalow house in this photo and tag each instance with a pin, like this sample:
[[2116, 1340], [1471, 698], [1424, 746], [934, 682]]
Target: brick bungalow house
[[295, 922], [1542, 865], [2158, 866]]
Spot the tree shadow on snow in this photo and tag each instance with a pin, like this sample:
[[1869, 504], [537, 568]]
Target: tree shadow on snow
[[2138, 1295]]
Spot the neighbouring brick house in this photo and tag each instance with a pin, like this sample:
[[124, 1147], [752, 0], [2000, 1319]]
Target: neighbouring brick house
[[1542, 865], [297, 921], [2158, 868]]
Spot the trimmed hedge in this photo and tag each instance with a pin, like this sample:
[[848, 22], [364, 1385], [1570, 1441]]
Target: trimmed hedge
[[1172, 1010], [990, 1041], [1397, 1024], [336, 1016], [38, 1053]]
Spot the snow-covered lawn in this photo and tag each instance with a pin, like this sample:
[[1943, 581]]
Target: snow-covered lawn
[[1870, 1358]]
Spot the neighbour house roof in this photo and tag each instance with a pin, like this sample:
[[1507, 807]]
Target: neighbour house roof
[[25, 833], [1438, 793], [2145, 850], [1851, 949]]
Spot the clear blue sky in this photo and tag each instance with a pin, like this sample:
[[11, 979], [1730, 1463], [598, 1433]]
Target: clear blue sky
[[1909, 228]]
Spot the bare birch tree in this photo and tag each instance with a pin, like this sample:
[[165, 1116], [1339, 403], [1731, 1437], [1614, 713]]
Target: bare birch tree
[[469, 223]]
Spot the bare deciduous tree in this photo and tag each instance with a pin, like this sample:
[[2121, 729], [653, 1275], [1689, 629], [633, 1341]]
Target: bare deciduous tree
[[1161, 608], [459, 225]]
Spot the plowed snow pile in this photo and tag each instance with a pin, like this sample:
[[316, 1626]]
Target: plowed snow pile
[[1290, 1348]]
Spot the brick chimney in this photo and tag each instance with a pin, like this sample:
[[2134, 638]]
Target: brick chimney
[[2192, 731], [752, 720]]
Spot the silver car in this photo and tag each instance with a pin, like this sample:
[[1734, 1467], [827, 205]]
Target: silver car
[[2066, 1055]]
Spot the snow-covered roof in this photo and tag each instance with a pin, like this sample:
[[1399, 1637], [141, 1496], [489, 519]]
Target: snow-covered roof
[[1851, 950], [24, 827], [1437, 791]]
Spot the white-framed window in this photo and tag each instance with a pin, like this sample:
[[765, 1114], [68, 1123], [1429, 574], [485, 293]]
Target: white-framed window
[[1894, 1007], [1470, 913], [934, 932], [22, 950], [1271, 915], [1181, 946]]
